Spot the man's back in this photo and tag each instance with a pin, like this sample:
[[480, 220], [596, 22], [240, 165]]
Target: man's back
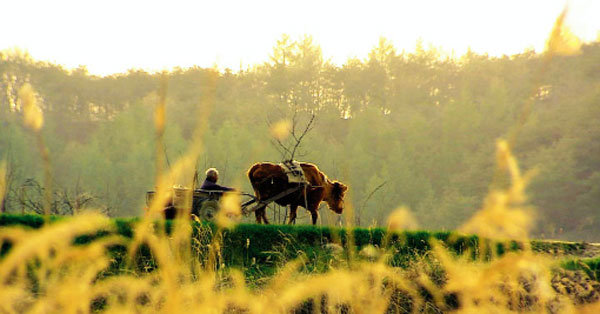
[[212, 186]]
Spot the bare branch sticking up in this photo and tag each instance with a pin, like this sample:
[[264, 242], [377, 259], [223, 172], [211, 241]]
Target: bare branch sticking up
[[290, 148], [298, 139]]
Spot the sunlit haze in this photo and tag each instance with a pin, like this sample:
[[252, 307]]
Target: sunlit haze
[[113, 36]]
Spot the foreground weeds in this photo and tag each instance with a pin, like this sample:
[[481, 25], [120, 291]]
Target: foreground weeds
[[83, 265]]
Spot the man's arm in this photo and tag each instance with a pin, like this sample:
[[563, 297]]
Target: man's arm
[[207, 185]]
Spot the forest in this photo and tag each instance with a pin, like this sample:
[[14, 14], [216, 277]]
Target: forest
[[415, 129]]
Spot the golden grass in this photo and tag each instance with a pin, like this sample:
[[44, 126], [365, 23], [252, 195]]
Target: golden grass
[[562, 41], [504, 214], [281, 129], [45, 272], [32, 114], [401, 219], [33, 118], [3, 186]]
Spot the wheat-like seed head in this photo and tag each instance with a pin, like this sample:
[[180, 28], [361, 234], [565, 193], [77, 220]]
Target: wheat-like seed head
[[32, 114]]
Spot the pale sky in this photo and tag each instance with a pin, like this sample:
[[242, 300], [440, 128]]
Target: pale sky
[[112, 36]]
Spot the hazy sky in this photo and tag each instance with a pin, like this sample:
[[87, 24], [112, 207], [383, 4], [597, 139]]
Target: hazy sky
[[114, 35]]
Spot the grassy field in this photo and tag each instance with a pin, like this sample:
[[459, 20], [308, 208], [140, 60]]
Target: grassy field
[[415, 269], [263, 248]]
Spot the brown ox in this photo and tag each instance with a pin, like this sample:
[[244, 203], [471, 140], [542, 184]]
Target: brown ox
[[269, 179]]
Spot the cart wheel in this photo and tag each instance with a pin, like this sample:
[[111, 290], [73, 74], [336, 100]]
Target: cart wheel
[[208, 210], [170, 212], [197, 205]]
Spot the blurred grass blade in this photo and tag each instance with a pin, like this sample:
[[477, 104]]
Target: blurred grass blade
[[562, 41], [32, 114], [3, 185]]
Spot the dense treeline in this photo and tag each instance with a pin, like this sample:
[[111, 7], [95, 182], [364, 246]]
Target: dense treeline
[[414, 129]]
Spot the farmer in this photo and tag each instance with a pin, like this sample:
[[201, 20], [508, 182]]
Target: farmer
[[210, 183]]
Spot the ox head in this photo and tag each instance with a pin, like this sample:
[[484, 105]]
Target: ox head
[[336, 199]]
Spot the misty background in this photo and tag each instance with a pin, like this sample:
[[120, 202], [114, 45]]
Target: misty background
[[400, 129]]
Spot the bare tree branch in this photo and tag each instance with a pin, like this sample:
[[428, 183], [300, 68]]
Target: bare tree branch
[[290, 148], [308, 128], [367, 199], [276, 142]]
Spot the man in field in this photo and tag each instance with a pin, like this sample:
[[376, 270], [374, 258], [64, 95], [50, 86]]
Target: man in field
[[210, 183]]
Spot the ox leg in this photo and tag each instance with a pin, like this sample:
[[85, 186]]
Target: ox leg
[[314, 198], [293, 211], [259, 213], [315, 215], [263, 212], [258, 217]]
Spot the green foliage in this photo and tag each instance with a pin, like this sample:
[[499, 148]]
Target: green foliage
[[591, 266], [33, 221], [262, 249], [422, 125]]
